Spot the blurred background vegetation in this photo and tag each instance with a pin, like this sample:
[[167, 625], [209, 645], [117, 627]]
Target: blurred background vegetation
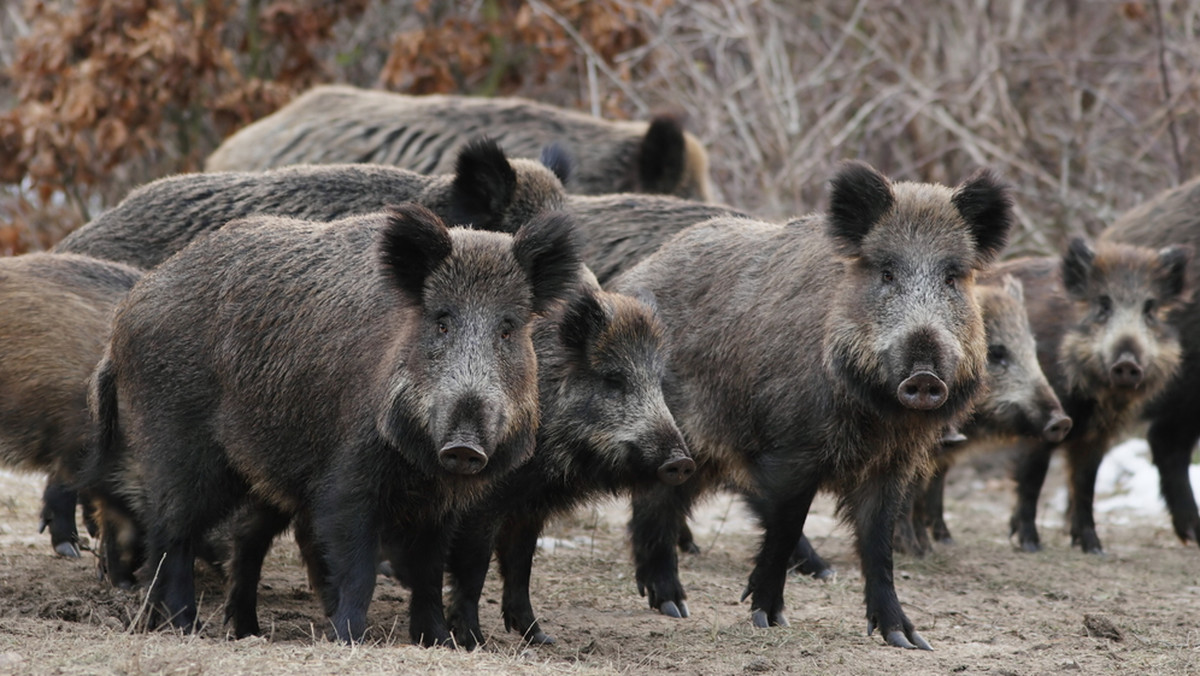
[[1086, 106]]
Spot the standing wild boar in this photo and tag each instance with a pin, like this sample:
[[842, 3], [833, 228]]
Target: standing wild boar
[[1017, 402], [372, 373], [340, 124], [825, 353], [487, 191], [57, 311], [1099, 317], [1173, 217]]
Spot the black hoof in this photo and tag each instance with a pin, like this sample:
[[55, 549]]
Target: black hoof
[[68, 550], [759, 619], [670, 609], [898, 639], [540, 638]]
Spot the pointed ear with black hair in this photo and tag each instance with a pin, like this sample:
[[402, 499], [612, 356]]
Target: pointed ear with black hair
[[1077, 266], [548, 250], [1175, 260], [662, 157], [985, 203], [556, 158], [484, 186], [582, 322], [858, 197], [412, 244], [1013, 287]]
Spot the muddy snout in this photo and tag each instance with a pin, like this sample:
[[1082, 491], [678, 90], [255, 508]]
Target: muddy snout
[[1057, 427], [922, 390], [1126, 372], [676, 471], [462, 456]]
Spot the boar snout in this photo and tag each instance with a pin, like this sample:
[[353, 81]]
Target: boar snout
[[462, 456], [922, 390], [676, 471], [1126, 372], [1057, 428]]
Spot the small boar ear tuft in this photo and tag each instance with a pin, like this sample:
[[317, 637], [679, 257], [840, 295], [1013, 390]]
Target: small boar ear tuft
[[985, 203], [484, 186], [858, 197], [556, 158], [662, 157], [411, 245], [582, 321], [548, 250], [1077, 266], [1175, 260], [1013, 287], [645, 297]]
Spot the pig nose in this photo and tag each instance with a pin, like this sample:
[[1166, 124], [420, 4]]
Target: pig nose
[[462, 457], [677, 471], [1126, 372], [922, 391], [1056, 430]]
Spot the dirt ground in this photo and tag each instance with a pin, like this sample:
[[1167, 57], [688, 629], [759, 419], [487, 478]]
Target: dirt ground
[[983, 606]]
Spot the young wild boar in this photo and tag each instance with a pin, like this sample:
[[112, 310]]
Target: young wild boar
[[1100, 319], [825, 353], [1170, 218], [487, 191], [1017, 402], [340, 124], [57, 310], [372, 373]]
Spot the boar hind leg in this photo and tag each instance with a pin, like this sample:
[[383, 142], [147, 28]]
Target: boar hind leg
[[906, 539], [872, 509], [806, 561], [931, 510], [254, 530], [58, 514], [172, 594], [687, 542], [426, 544], [1032, 465], [515, 548], [782, 519], [468, 566], [658, 512], [1084, 462], [1172, 439]]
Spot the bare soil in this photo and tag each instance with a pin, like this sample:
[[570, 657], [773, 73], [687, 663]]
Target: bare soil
[[984, 607]]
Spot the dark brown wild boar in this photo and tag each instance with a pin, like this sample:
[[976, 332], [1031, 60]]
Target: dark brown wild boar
[[486, 191], [825, 353], [1100, 319], [1173, 217], [372, 373], [337, 124], [57, 312]]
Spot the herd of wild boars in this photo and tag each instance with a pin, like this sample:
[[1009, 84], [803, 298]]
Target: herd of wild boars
[[415, 366]]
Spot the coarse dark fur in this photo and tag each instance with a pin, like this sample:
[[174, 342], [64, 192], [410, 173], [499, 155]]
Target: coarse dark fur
[[318, 368], [618, 231], [1173, 217], [486, 190], [1017, 402], [825, 353], [1104, 342], [57, 312], [340, 124]]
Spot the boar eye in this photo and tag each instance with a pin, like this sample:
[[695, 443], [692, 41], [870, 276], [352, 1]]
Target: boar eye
[[615, 382], [888, 277], [505, 334], [442, 326], [1149, 307], [1105, 307], [951, 280], [998, 355]]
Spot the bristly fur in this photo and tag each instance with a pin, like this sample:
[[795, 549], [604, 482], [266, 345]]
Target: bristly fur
[[661, 155], [484, 183], [548, 249], [412, 244], [858, 197], [1077, 265], [581, 322], [1174, 278], [986, 205], [556, 158]]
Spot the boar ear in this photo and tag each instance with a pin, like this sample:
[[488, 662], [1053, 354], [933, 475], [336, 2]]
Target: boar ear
[[662, 156], [1013, 287], [412, 244], [548, 250], [1174, 260], [1077, 266], [483, 187], [556, 158], [582, 322], [985, 204], [858, 197]]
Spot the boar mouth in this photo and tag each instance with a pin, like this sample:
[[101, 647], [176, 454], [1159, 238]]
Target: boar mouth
[[922, 390], [462, 456]]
